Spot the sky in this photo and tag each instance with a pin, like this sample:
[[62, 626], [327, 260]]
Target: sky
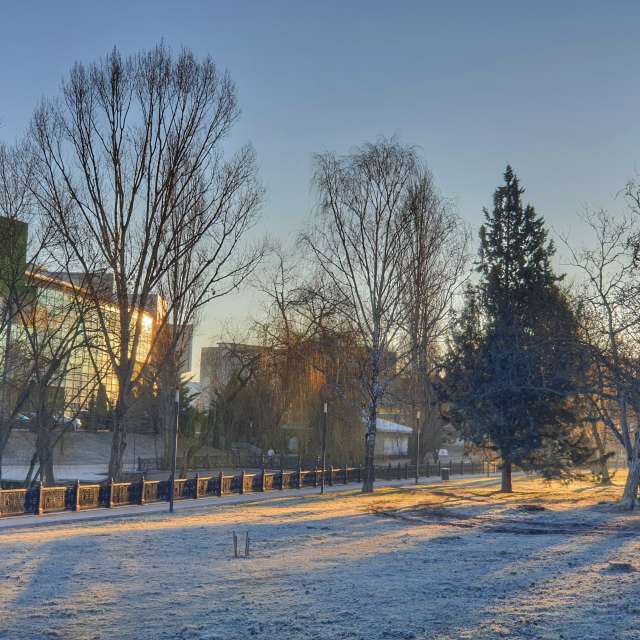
[[549, 87]]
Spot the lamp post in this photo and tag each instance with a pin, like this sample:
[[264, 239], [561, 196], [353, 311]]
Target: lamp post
[[417, 446], [174, 461], [324, 446]]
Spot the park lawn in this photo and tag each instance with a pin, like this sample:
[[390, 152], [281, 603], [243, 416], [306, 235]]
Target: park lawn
[[444, 560]]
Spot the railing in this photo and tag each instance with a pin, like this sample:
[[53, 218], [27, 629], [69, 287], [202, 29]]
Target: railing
[[80, 497], [461, 468]]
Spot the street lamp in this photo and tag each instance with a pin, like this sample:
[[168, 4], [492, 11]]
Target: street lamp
[[174, 461], [324, 446], [417, 446]]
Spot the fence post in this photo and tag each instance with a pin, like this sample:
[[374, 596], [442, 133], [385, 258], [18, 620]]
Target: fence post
[[331, 475], [142, 484], [281, 487], [76, 495], [111, 493], [315, 476], [346, 473], [220, 483], [40, 503], [242, 482], [262, 480], [299, 473], [196, 490]]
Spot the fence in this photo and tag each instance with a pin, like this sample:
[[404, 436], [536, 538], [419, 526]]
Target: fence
[[79, 497]]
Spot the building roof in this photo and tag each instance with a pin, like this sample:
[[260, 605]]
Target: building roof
[[386, 426]]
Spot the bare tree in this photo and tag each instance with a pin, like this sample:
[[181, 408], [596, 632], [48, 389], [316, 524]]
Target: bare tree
[[436, 268], [609, 301], [199, 272], [17, 250], [56, 345], [360, 243], [313, 355], [131, 170]]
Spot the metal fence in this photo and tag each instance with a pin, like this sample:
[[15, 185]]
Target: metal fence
[[80, 497]]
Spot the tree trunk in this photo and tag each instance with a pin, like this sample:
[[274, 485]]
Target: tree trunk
[[167, 424], [605, 477], [44, 448], [118, 445], [630, 494], [506, 486], [4, 439], [369, 451], [603, 471], [30, 477], [45, 459]]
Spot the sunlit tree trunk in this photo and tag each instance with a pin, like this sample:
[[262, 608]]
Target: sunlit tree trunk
[[630, 495]]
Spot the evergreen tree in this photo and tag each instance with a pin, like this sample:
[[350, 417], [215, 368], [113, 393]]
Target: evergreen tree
[[514, 354], [99, 410]]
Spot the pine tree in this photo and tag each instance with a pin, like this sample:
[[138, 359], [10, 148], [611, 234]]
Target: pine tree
[[98, 411], [514, 354]]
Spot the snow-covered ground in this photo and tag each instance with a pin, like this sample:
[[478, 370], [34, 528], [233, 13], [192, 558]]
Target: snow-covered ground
[[454, 560]]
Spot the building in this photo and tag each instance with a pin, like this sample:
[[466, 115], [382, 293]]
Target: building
[[89, 365], [219, 364], [53, 317], [392, 440]]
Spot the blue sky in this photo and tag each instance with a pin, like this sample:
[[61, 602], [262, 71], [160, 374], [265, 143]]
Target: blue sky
[[550, 87]]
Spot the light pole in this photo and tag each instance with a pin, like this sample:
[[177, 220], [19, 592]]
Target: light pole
[[174, 461], [324, 446], [417, 446]]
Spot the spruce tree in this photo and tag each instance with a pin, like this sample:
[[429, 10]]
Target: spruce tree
[[514, 353]]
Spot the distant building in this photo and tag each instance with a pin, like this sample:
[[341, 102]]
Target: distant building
[[392, 439], [89, 366], [47, 298], [219, 364]]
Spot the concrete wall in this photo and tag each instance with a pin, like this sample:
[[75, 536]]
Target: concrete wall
[[81, 448]]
